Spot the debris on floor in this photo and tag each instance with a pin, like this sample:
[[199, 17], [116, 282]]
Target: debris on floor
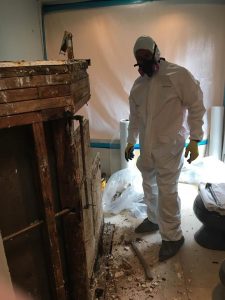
[[127, 279], [192, 274]]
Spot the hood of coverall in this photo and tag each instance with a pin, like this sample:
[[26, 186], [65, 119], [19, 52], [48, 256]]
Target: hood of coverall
[[146, 42]]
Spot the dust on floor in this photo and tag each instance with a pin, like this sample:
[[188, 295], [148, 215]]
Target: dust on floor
[[191, 275]]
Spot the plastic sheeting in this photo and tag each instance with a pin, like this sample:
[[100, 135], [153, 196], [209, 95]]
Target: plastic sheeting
[[216, 131], [124, 191], [206, 169], [123, 141], [191, 35]]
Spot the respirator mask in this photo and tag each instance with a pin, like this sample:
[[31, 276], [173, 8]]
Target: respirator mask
[[148, 66]]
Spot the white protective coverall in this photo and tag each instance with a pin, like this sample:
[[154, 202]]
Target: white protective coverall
[[158, 109]]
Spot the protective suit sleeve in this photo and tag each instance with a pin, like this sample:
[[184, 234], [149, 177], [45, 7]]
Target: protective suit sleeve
[[133, 129], [192, 97]]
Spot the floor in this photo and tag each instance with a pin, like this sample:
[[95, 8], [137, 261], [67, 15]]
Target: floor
[[191, 275]]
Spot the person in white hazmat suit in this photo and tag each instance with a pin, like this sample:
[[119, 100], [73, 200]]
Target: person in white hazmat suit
[[160, 100]]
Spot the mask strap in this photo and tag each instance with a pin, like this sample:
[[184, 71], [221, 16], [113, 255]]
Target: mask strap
[[153, 55], [154, 51]]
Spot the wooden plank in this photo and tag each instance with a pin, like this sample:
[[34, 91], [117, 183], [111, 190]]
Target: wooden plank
[[78, 163], [34, 105], [55, 113], [18, 120], [70, 177], [80, 86], [61, 141], [41, 115], [79, 64], [32, 70], [78, 74], [96, 194], [48, 202], [18, 95], [81, 83], [80, 93], [90, 241], [93, 217], [54, 91], [34, 81], [33, 117], [76, 256], [48, 91], [77, 69], [85, 154], [78, 104], [23, 68]]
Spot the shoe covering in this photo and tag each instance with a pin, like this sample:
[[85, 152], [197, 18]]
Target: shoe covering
[[169, 248], [146, 226]]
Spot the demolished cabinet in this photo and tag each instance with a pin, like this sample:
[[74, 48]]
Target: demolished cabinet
[[51, 216]]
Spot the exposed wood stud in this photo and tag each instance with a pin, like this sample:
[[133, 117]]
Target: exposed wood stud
[[47, 194], [70, 182]]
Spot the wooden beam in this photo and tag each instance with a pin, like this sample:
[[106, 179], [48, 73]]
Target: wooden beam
[[81, 83], [48, 201], [82, 101], [34, 105], [18, 95], [33, 117], [34, 81], [50, 91], [69, 175], [21, 71], [76, 256]]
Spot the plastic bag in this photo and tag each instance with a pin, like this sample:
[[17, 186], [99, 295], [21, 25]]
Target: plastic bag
[[124, 191], [207, 169]]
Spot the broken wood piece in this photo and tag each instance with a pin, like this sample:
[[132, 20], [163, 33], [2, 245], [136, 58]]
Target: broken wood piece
[[144, 264]]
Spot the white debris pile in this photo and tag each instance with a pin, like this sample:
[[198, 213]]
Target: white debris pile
[[126, 278]]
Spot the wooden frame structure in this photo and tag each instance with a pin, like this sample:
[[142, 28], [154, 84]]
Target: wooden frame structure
[[38, 101]]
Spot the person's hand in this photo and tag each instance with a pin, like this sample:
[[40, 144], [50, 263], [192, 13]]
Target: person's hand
[[192, 149], [129, 152]]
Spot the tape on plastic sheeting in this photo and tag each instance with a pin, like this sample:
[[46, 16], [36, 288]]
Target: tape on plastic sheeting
[[216, 131]]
